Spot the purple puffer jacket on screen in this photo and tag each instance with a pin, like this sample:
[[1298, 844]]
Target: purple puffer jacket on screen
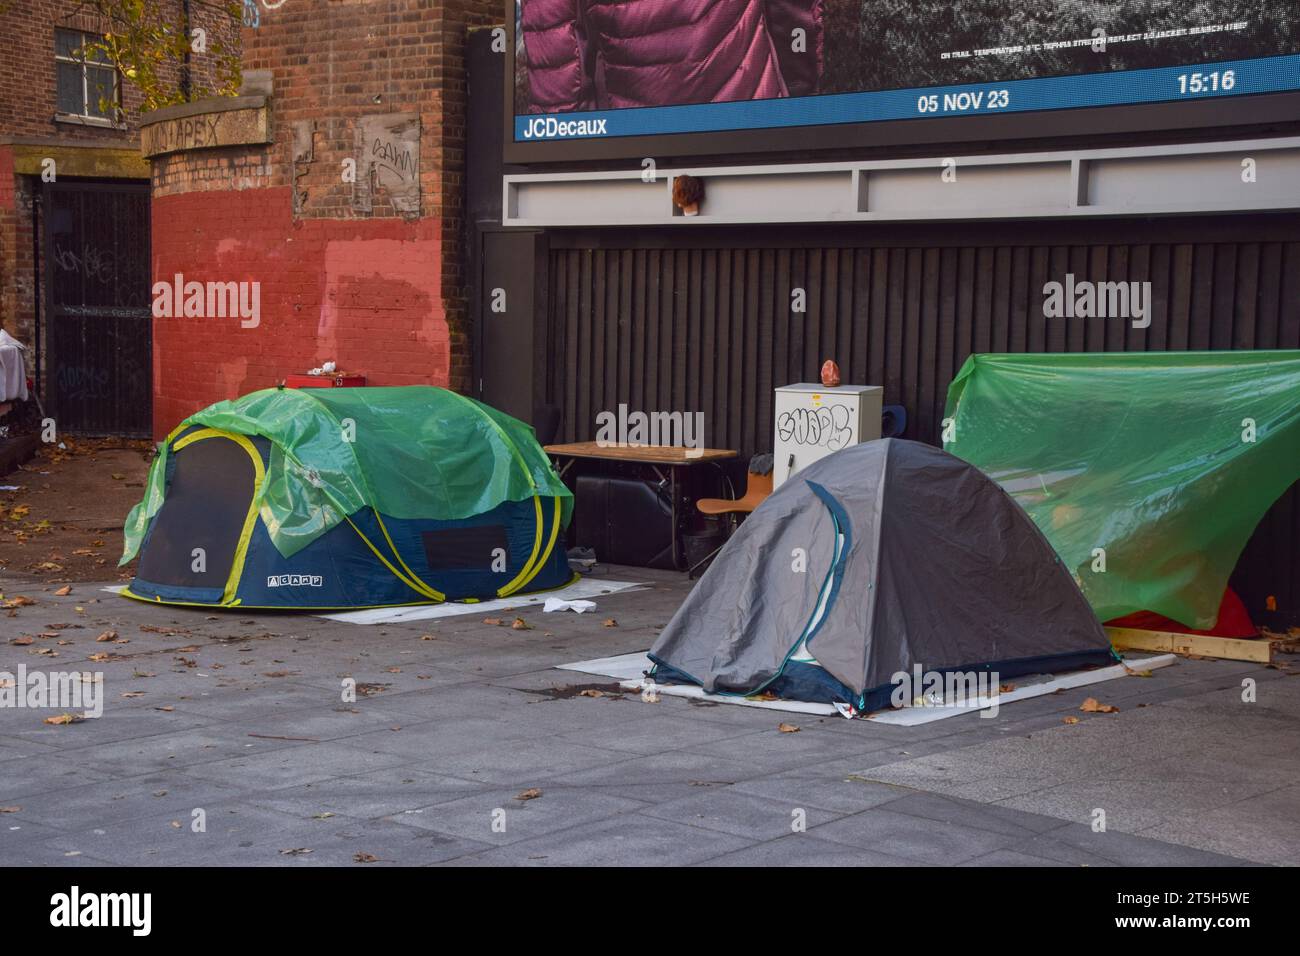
[[615, 54]]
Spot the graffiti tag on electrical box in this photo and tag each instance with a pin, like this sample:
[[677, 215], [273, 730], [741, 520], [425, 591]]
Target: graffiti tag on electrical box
[[826, 427], [388, 163]]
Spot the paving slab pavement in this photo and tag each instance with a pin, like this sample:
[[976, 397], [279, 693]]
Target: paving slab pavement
[[244, 722]]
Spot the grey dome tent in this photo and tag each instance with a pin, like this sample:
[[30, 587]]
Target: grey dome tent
[[882, 556]]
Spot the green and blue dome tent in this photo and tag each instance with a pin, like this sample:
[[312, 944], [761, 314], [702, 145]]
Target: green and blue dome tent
[[347, 498]]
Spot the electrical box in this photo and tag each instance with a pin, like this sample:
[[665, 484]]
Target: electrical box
[[813, 421]]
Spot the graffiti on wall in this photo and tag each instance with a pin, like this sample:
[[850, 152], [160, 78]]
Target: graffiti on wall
[[388, 163]]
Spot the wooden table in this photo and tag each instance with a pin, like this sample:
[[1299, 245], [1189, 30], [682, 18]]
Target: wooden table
[[658, 457]]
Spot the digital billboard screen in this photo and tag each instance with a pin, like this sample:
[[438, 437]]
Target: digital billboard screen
[[601, 70]]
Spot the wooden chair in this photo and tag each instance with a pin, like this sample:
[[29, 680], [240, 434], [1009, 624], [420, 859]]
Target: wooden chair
[[757, 487]]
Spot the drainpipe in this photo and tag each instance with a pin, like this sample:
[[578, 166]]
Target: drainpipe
[[185, 67]]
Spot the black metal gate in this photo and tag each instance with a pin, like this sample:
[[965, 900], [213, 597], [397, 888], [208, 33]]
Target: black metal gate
[[98, 315]]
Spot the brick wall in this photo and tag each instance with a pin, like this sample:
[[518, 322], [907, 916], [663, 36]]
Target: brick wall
[[28, 107], [18, 261], [364, 292], [28, 81], [381, 292], [9, 216]]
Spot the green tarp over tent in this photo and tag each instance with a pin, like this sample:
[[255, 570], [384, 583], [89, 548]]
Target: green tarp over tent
[[1167, 461], [413, 452]]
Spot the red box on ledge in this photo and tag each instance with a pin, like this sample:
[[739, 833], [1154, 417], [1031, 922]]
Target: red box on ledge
[[334, 380]]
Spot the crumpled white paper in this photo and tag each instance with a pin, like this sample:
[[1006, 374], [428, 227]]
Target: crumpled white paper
[[559, 604]]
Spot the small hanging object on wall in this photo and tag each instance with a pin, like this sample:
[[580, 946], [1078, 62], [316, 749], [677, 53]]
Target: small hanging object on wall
[[830, 373], [688, 193]]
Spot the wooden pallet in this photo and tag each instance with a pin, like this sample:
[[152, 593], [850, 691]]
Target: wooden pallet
[[1259, 650]]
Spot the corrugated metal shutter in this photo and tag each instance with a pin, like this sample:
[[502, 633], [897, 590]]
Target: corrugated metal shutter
[[700, 327]]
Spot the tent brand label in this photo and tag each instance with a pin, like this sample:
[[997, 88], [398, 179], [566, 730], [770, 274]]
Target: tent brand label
[[295, 581], [74, 908]]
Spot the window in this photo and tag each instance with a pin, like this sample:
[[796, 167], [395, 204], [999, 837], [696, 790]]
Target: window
[[87, 84]]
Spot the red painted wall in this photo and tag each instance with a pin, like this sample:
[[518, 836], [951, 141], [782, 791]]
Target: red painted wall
[[362, 293]]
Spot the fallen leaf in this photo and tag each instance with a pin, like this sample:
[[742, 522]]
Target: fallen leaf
[[176, 824], [1071, 720], [10, 809], [106, 636], [428, 637], [1132, 673], [133, 693], [494, 621], [296, 851], [325, 815], [532, 793], [64, 591], [1091, 706], [365, 858], [63, 719], [610, 622], [101, 656], [19, 601], [167, 709], [521, 625], [22, 641], [787, 728]]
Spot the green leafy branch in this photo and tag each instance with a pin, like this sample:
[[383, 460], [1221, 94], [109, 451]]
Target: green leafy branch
[[148, 42]]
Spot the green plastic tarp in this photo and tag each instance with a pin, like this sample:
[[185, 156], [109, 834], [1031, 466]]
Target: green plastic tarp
[[1155, 466], [408, 452]]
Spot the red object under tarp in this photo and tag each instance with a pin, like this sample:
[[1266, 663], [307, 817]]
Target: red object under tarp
[[1233, 620], [333, 380]]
